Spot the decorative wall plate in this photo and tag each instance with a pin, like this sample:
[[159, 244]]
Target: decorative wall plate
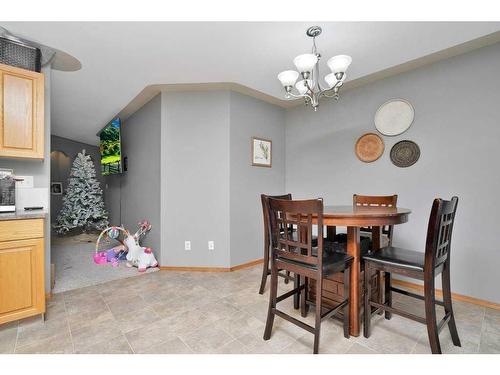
[[405, 153], [394, 117], [369, 147]]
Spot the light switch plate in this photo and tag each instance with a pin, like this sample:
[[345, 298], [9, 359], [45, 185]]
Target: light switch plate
[[187, 245], [26, 183], [211, 245]]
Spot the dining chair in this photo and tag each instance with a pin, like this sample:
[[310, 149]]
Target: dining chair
[[298, 255], [422, 266], [267, 243], [376, 201]]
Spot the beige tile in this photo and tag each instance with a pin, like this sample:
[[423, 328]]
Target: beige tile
[[130, 321], [232, 347], [207, 339], [36, 332], [127, 304], [8, 337], [490, 343], [89, 318], [116, 345], [447, 347], [243, 324], [360, 349], [101, 331], [57, 344], [154, 334], [173, 346], [84, 304], [330, 342]]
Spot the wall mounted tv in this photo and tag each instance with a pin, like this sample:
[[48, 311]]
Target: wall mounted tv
[[111, 148]]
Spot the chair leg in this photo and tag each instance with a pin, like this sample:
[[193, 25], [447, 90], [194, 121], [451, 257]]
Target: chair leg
[[347, 278], [303, 297], [287, 277], [272, 302], [319, 301], [388, 293], [446, 285], [265, 266], [430, 314], [367, 307], [296, 296]]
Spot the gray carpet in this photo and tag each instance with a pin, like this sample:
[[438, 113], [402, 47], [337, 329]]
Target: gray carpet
[[75, 267]]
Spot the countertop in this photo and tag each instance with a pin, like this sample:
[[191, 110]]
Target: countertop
[[23, 215]]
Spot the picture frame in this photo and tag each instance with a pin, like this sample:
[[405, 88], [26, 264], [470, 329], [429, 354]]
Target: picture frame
[[261, 152], [56, 188]]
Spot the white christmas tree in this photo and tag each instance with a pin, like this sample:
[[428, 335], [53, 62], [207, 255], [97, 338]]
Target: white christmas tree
[[83, 206]]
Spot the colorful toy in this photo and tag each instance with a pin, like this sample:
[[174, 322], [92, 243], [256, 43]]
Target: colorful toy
[[136, 255]]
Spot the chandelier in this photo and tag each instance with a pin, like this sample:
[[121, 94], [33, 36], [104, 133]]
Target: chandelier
[[307, 64]]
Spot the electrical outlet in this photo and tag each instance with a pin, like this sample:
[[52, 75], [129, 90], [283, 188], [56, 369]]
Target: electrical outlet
[[26, 183], [187, 245], [211, 245]]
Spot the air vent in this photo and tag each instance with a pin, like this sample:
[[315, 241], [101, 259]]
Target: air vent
[[19, 55]]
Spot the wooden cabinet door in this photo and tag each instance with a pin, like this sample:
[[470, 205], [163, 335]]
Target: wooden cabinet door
[[21, 113], [22, 291]]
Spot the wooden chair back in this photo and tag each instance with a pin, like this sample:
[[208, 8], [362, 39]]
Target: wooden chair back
[[438, 243], [266, 212], [377, 201], [296, 244]]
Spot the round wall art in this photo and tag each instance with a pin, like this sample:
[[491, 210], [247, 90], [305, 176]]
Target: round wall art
[[369, 147], [405, 153], [394, 117]]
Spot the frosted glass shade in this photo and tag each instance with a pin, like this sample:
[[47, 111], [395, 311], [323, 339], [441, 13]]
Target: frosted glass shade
[[339, 64], [305, 62], [288, 77], [301, 86], [331, 80]]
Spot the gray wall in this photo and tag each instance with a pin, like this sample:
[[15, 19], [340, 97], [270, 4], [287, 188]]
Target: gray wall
[[251, 117], [456, 126], [140, 184], [61, 167], [40, 170], [195, 178]]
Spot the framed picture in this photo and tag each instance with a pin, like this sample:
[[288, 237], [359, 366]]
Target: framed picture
[[56, 188], [261, 152]]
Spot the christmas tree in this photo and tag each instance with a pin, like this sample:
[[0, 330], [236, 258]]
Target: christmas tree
[[83, 206]]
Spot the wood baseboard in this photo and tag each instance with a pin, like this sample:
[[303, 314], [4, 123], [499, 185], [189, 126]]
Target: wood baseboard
[[213, 269], [455, 296]]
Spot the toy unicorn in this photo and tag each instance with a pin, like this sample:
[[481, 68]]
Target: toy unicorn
[[136, 255]]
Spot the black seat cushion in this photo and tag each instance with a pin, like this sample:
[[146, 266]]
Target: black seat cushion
[[396, 256], [332, 262]]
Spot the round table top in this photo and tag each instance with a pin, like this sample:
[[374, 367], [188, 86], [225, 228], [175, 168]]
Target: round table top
[[364, 215]]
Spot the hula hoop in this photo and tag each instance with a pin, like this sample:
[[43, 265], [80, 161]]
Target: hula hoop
[[125, 232]]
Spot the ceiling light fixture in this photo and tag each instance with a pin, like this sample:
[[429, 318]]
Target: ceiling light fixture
[[308, 87]]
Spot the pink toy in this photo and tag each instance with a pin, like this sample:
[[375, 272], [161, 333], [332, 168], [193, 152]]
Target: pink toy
[[100, 258]]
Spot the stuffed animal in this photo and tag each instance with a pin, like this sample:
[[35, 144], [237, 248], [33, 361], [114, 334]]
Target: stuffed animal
[[138, 256]]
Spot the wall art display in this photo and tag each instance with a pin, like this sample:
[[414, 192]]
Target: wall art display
[[56, 188], [394, 117], [261, 152], [369, 147], [405, 153]]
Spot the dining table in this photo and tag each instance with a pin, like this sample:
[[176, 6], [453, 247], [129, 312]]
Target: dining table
[[353, 218]]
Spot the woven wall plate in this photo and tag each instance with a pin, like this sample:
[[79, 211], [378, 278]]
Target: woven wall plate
[[405, 153], [394, 117], [369, 147]]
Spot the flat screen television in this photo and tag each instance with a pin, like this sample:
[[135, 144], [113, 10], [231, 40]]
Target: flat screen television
[[111, 148]]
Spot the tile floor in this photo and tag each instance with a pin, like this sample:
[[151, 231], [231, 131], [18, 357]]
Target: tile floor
[[194, 312]]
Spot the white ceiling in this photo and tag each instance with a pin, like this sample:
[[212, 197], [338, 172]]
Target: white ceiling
[[120, 59]]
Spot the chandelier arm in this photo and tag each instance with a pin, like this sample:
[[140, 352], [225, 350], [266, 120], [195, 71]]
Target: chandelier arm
[[298, 96], [326, 93]]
